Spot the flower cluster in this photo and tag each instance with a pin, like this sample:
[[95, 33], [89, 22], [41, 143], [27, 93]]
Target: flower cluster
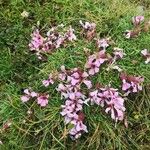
[[75, 85], [41, 99], [146, 55], [110, 99], [52, 41], [70, 89], [131, 84]]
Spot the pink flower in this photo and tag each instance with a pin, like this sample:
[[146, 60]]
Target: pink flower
[[53, 40], [49, 81], [131, 84], [128, 34], [59, 41], [25, 98], [43, 100], [28, 95], [88, 25], [103, 43], [118, 53], [146, 55], [37, 40], [70, 34], [136, 20], [94, 62], [125, 85]]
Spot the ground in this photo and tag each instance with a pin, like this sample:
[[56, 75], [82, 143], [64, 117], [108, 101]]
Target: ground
[[21, 69]]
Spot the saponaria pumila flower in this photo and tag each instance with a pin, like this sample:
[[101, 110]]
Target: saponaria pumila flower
[[102, 44], [49, 81], [52, 41], [70, 89], [71, 81], [41, 98], [110, 99], [146, 54], [131, 84], [137, 20], [94, 62]]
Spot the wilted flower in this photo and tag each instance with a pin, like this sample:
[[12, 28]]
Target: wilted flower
[[146, 55], [132, 33], [88, 29], [136, 20], [128, 34]]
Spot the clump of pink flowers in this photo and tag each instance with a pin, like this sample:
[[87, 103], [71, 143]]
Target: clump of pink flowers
[[146, 54], [52, 41], [75, 85], [70, 89], [110, 99], [41, 99], [131, 84]]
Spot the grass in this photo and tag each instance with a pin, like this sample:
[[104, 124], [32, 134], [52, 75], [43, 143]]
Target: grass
[[44, 129]]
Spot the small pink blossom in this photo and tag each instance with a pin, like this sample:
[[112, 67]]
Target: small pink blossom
[[118, 53], [37, 40], [94, 62], [25, 98], [102, 44], [28, 94], [128, 34], [43, 100], [70, 34], [49, 81], [146, 55], [131, 84], [137, 20], [87, 25]]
